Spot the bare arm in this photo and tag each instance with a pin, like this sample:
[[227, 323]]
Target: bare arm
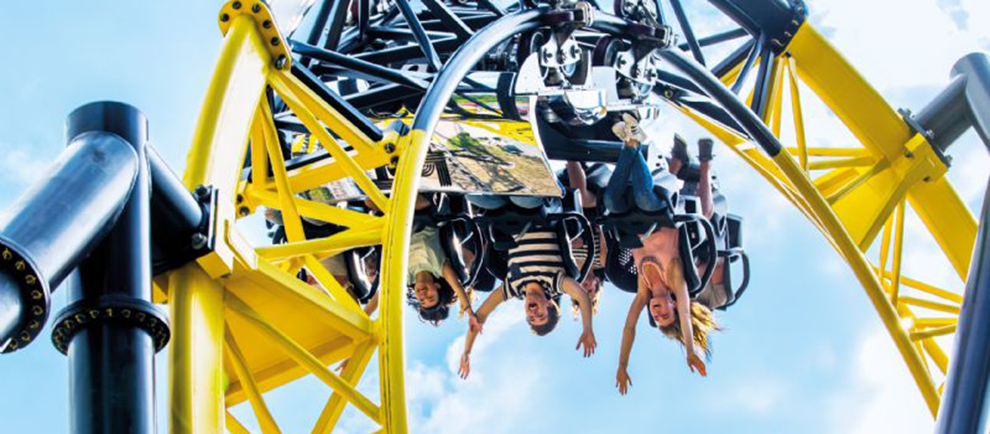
[[494, 299], [629, 330], [675, 275], [577, 292], [451, 277], [578, 179], [372, 305]]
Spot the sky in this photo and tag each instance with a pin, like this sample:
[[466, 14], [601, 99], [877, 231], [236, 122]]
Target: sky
[[802, 352]]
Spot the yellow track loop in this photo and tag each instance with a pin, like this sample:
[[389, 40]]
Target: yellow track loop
[[861, 191], [242, 294]]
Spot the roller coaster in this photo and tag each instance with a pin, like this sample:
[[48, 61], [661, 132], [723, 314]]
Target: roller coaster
[[359, 100]]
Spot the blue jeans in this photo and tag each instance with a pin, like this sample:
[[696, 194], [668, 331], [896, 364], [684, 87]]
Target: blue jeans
[[631, 171]]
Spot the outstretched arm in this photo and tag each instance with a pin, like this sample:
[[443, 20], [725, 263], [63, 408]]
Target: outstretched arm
[[494, 299], [372, 305], [577, 292], [675, 275], [622, 380], [451, 277]]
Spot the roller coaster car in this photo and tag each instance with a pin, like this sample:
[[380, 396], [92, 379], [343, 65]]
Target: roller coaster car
[[696, 245], [454, 218], [502, 225]]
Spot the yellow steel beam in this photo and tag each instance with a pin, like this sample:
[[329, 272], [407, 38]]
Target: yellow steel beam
[[284, 86], [928, 304], [286, 287], [290, 217], [303, 357], [895, 282], [802, 147], [314, 210], [234, 425], [934, 322], [328, 281], [196, 352], [218, 146], [776, 96], [864, 273], [863, 177], [351, 374], [236, 358], [279, 374], [948, 219], [845, 162], [329, 246], [931, 333]]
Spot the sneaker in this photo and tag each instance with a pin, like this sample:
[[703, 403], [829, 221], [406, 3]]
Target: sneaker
[[619, 129], [679, 151], [705, 146], [633, 130]]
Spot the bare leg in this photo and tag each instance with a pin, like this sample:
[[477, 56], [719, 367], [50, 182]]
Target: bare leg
[[705, 190], [577, 178], [674, 165]]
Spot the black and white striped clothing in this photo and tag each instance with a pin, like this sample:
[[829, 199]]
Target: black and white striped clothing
[[581, 253], [535, 259]]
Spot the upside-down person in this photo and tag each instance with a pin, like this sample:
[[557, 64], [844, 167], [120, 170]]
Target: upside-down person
[[714, 293], [661, 285], [578, 178], [433, 282], [536, 275]]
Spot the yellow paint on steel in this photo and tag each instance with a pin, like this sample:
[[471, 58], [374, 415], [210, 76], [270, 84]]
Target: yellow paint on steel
[[290, 217], [351, 374], [236, 360], [895, 281], [195, 355], [928, 304], [303, 357], [314, 210], [862, 269], [391, 359], [330, 283], [339, 242], [234, 425], [283, 84], [798, 113]]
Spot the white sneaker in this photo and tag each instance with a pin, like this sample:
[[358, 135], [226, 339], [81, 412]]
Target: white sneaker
[[621, 131], [633, 130]]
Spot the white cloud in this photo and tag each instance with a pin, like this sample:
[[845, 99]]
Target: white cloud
[[884, 397], [19, 166]]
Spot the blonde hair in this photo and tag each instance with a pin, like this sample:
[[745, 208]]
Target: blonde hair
[[703, 323]]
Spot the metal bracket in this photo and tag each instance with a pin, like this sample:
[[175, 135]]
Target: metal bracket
[[929, 135], [259, 12]]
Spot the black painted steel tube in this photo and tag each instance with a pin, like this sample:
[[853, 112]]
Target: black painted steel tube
[[57, 222], [420, 33], [964, 103], [717, 38], [965, 407], [458, 66], [111, 361], [175, 213], [692, 41], [373, 70], [747, 120]]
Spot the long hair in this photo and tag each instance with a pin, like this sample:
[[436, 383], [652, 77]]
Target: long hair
[[703, 323], [441, 311]]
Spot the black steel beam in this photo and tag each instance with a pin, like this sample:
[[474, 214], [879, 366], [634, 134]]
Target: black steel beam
[[964, 103], [764, 82], [754, 54], [47, 232], [110, 330], [338, 16], [733, 59], [449, 19], [718, 38], [685, 24], [747, 120], [337, 102], [372, 70], [965, 407], [429, 52]]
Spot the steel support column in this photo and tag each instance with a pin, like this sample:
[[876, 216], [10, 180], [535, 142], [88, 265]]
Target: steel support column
[[110, 324]]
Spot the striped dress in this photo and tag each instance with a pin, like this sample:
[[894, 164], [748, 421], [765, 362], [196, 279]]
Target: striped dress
[[535, 259], [581, 253]]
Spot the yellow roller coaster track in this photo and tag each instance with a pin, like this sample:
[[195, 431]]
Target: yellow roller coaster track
[[240, 294]]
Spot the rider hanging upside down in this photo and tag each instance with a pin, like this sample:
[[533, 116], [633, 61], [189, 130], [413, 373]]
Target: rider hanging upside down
[[434, 283], [536, 275], [577, 178], [661, 284]]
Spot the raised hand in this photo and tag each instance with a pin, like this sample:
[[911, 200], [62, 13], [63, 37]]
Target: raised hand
[[695, 362], [588, 340], [465, 368], [622, 380]]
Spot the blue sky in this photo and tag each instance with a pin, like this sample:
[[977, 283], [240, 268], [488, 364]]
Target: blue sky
[[803, 352]]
